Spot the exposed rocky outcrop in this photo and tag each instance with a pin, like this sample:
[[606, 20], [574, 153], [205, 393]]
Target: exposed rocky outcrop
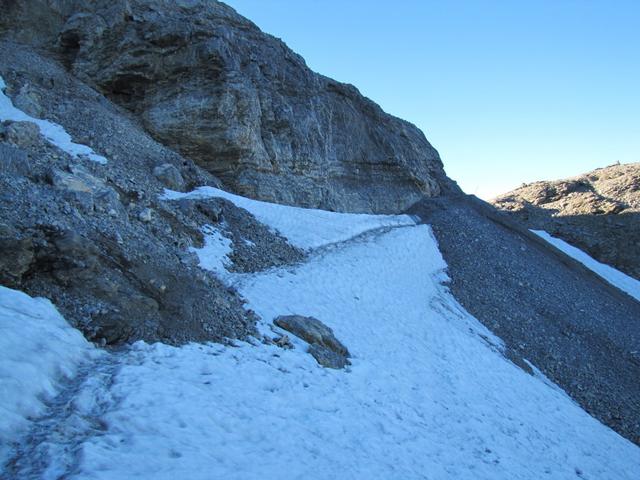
[[208, 83], [96, 238], [599, 212]]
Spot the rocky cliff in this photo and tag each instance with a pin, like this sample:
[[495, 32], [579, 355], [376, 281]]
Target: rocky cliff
[[208, 83], [95, 237], [599, 212]]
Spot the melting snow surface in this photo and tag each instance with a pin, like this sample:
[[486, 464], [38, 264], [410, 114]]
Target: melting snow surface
[[37, 350], [613, 276], [53, 132], [428, 394], [305, 228]]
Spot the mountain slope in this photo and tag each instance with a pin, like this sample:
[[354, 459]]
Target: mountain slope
[[428, 394], [598, 212], [93, 237], [576, 328], [105, 105]]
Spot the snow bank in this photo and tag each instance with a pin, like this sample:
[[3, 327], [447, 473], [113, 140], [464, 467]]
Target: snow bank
[[304, 227], [37, 349], [614, 277], [53, 132], [428, 394]]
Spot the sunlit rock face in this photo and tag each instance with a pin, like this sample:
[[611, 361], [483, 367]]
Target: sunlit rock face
[[208, 83], [596, 211]]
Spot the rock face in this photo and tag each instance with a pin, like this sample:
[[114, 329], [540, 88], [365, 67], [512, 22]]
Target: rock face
[[323, 345], [96, 238], [208, 83], [599, 212]]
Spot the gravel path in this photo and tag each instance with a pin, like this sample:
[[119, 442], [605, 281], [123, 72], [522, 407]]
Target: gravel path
[[582, 333]]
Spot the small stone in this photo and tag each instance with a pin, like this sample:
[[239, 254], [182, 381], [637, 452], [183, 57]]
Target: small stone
[[146, 215], [284, 342], [23, 134], [170, 176]]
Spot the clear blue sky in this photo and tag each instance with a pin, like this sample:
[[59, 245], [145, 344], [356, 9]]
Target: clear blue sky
[[507, 91]]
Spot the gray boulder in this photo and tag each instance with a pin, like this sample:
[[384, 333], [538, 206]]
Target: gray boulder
[[23, 134], [208, 83], [323, 345], [170, 176], [85, 190]]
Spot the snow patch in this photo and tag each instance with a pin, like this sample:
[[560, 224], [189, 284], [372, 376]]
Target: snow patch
[[53, 132], [305, 228], [38, 348], [613, 276], [214, 254]]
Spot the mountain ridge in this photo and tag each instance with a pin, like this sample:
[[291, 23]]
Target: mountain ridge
[[598, 211]]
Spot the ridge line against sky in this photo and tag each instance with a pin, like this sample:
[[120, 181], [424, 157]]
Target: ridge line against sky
[[508, 92]]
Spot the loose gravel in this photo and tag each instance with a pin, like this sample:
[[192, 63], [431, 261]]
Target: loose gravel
[[580, 332]]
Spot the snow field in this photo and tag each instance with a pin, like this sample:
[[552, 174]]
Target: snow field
[[613, 276], [54, 133], [426, 397]]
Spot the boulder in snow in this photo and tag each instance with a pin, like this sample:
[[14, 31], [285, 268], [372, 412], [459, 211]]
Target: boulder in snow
[[323, 345]]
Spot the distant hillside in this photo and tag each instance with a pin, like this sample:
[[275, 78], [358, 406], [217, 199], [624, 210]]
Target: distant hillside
[[598, 212]]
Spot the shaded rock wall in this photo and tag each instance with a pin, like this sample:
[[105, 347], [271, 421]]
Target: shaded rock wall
[[209, 83]]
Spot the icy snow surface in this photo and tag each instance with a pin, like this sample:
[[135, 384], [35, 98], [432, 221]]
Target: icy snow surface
[[37, 349], [613, 276], [53, 132], [305, 228], [428, 394]]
